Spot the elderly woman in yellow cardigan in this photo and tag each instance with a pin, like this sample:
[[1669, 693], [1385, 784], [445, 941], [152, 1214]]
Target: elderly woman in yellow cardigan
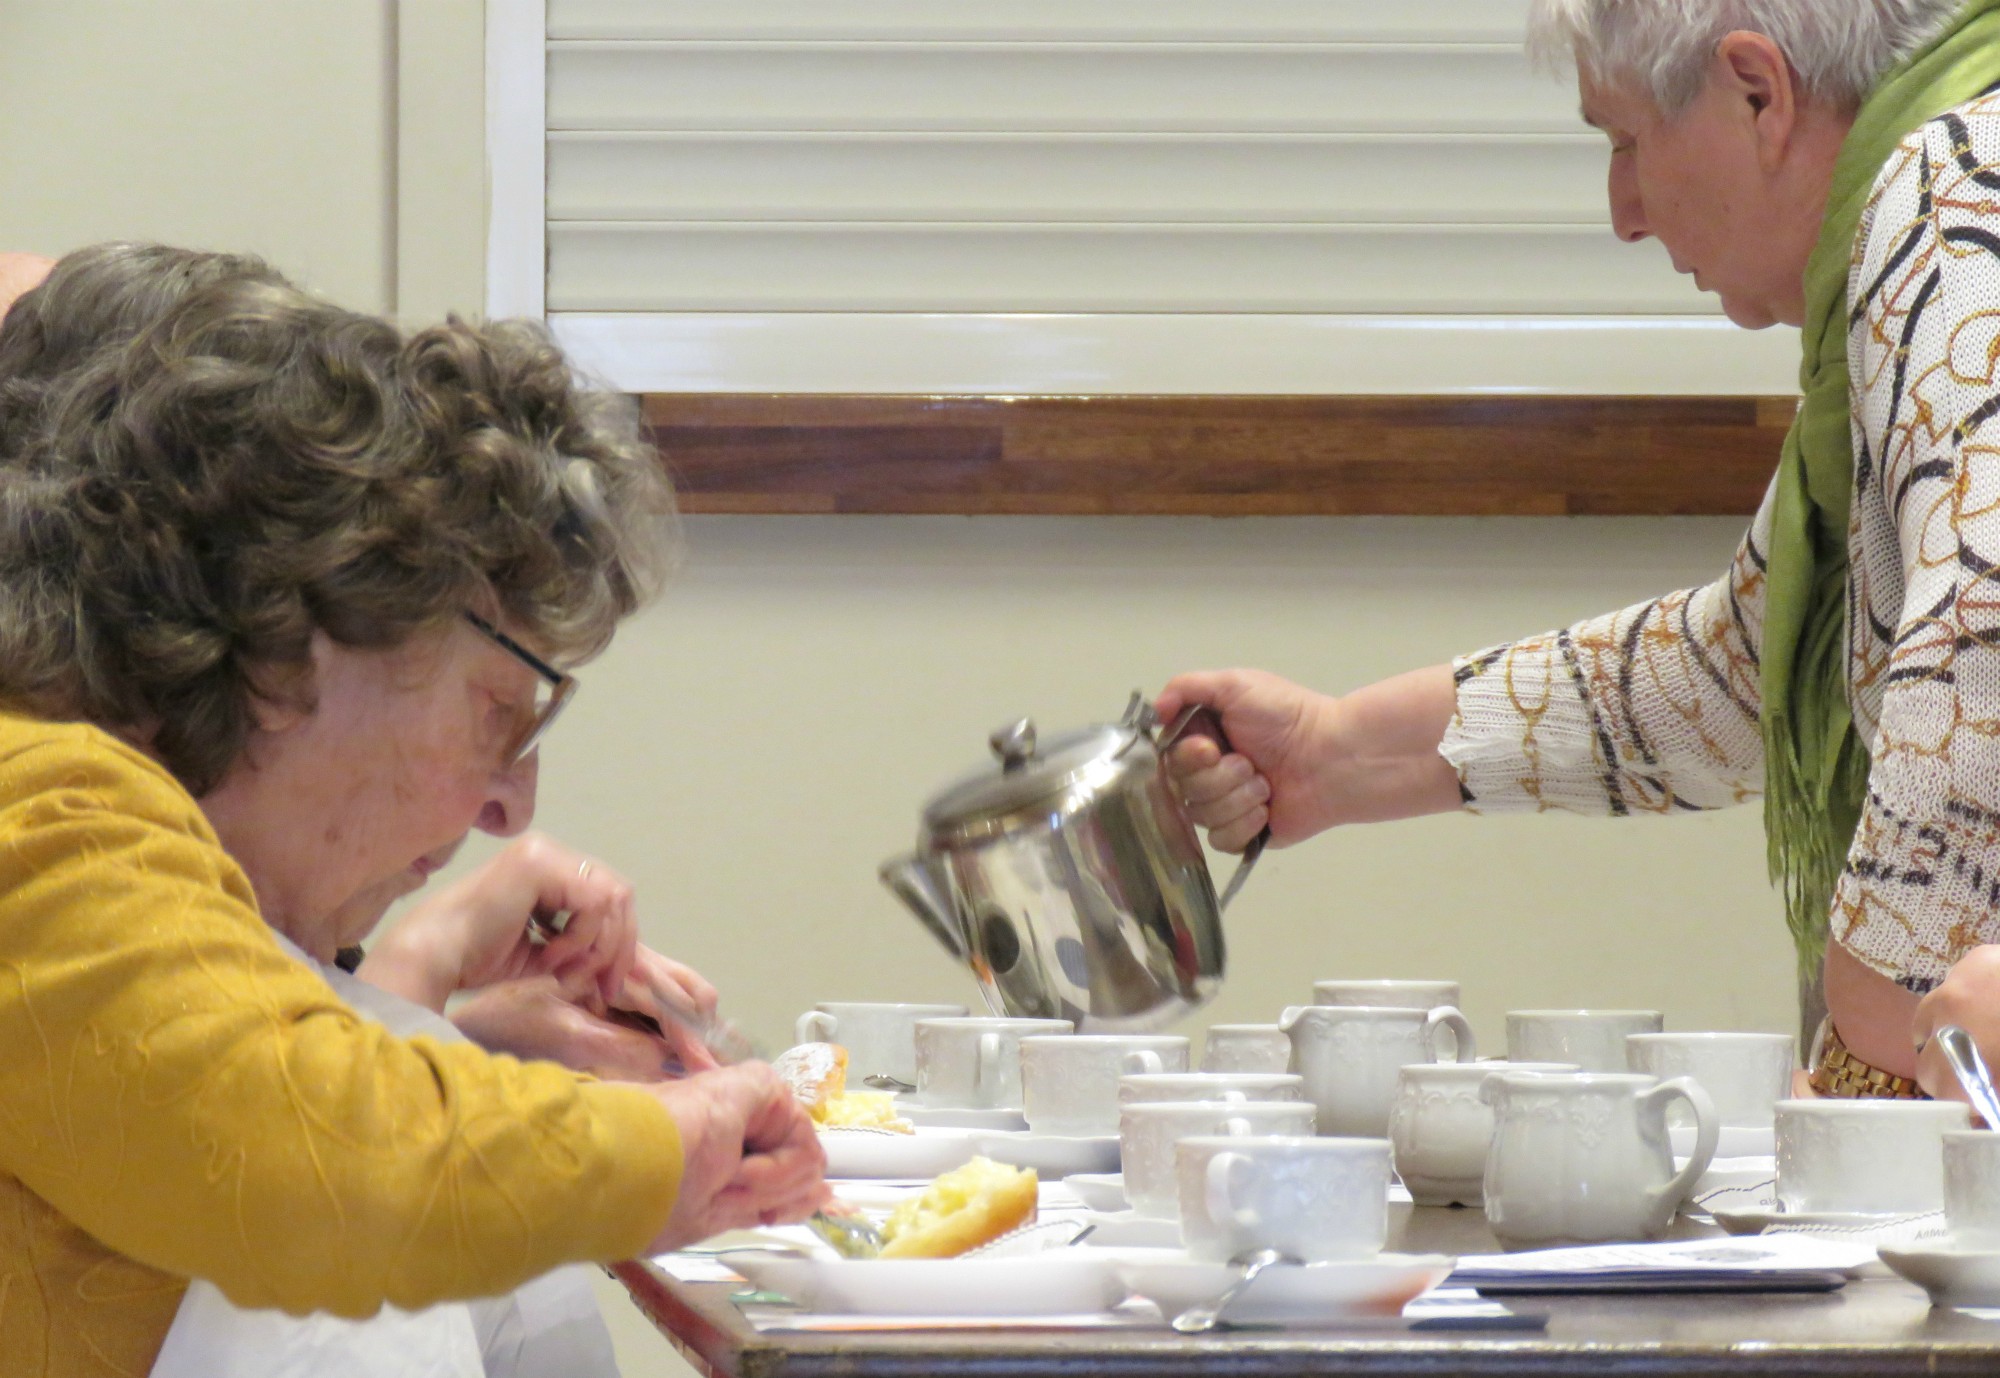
[[284, 598]]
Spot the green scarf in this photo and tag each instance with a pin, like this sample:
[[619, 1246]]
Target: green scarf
[[1815, 770]]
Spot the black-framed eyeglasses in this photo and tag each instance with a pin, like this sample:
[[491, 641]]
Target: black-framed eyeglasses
[[555, 690]]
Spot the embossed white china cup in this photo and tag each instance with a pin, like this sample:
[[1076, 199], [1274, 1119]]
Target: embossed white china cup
[[1593, 1039], [1972, 1188], [1308, 1197], [1745, 1074], [1245, 1048], [1350, 1056], [1407, 995], [1864, 1157], [1583, 1158], [1440, 1129], [1165, 1086], [1069, 1084], [1148, 1131], [975, 1063], [880, 1038]]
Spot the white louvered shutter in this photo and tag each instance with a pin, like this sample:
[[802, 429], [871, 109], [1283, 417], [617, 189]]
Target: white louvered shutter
[[1103, 195]]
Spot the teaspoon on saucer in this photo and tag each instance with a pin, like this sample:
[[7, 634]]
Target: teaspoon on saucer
[[1963, 1055], [1199, 1320]]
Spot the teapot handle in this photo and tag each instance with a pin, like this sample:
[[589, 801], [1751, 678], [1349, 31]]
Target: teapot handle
[[1211, 727]]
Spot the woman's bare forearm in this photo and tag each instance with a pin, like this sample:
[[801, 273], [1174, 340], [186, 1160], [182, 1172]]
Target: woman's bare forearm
[[1873, 1013], [1385, 748]]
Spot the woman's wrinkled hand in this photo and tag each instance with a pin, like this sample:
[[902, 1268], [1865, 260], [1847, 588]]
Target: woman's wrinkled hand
[[1271, 775], [674, 998], [749, 1154], [679, 998], [482, 929], [1969, 996], [1303, 762], [535, 1019]]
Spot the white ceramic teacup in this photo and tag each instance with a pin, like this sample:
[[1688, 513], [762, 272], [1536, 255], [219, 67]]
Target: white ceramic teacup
[[1972, 1188], [1864, 1157], [880, 1038], [1593, 1039], [1069, 1084], [1148, 1131], [1406, 995], [1237, 1086], [1246, 1048], [1308, 1197], [975, 1063], [1440, 1129], [1350, 1056], [1745, 1074], [1582, 1157]]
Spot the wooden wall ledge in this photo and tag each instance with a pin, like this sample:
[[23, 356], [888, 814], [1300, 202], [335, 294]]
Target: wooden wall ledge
[[1220, 456]]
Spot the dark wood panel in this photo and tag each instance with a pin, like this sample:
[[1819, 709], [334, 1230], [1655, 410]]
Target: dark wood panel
[[1222, 456]]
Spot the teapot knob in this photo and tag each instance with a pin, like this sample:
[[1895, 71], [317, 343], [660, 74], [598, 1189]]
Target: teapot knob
[[1014, 744]]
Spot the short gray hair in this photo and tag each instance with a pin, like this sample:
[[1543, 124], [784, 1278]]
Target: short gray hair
[[1661, 48]]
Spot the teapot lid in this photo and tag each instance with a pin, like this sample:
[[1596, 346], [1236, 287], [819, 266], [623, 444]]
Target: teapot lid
[[1033, 772]]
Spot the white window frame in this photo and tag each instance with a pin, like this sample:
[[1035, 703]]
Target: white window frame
[[1035, 353]]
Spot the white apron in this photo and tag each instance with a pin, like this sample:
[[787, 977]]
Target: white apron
[[548, 1328]]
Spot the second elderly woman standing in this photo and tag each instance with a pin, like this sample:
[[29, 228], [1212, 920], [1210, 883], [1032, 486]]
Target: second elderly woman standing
[[283, 598], [1829, 164]]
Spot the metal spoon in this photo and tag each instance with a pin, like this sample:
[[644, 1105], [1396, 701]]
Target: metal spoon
[[852, 1236], [882, 1081], [1963, 1055], [1198, 1320]]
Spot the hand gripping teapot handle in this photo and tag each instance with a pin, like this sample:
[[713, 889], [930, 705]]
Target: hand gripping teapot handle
[[1210, 723]]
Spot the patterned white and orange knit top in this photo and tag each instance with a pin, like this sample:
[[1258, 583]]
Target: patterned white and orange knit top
[[1654, 709]]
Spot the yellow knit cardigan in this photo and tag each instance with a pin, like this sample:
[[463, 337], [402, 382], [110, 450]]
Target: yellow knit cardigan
[[180, 1098]]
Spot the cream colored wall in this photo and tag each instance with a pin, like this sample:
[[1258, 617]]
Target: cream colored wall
[[748, 751], [266, 125], [751, 748]]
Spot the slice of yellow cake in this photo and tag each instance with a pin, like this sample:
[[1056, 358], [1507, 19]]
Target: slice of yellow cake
[[961, 1210]]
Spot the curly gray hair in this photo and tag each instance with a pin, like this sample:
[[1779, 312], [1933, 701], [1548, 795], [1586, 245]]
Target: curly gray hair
[[92, 299], [185, 506], [1662, 48]]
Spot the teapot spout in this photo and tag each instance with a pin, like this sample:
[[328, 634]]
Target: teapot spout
[[917, 882]]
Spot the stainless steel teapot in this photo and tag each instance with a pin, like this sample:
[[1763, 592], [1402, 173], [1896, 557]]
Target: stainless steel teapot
[[1070, 880]]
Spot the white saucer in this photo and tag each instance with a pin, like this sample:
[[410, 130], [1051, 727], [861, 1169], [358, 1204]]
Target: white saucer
[[871, 1153], [1735, 1184], [1128, 1229], [1755, 1220], [1103, 1192], [1062, 1282], [1732, 1141], [1952, 1274], [960, 1116], [1052, 1155], [1289, 1293]]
